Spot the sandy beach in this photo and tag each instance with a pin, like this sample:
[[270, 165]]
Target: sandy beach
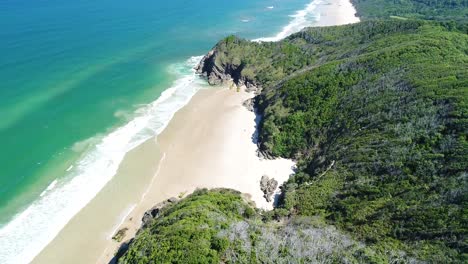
[[336, 12], [208, 144]]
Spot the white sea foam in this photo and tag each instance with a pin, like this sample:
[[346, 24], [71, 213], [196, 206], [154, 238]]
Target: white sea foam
[[31, 230], [49, 188], [301, 19]]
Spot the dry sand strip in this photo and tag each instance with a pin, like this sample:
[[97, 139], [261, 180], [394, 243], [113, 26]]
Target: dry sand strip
[[208, 144], [335, 13]]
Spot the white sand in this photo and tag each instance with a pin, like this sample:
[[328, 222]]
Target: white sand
[[327, 13], [336, 12], [208, 143]]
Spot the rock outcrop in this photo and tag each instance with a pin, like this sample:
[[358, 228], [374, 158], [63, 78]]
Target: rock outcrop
[[155, 210], [249, 104], [268, 187], [218, 72], [120, 234]]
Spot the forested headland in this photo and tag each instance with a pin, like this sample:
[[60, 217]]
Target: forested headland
[[376, 116]]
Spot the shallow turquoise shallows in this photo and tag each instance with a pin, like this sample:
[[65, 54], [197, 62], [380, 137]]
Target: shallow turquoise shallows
[[74, 72]]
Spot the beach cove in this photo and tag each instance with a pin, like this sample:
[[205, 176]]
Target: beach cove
[[207, 144]]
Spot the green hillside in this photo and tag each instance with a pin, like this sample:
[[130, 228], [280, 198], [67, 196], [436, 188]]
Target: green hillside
[[381, 138], [423, 9], [218, 226], [376, 115]]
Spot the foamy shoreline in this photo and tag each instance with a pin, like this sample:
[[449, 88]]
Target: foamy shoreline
[[210, 152], [30, 231], [171, 178], [326, 13]]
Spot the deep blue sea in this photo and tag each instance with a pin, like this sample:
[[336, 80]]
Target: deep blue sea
[[83, 82]]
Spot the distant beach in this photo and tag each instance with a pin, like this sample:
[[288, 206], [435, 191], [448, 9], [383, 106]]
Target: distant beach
[[208, 143], [325, 13]]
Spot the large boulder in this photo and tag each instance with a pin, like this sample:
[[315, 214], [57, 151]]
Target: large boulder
[[155, 211], [268, 187]]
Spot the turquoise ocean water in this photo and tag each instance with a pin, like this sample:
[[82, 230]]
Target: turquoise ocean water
[[83, 82]]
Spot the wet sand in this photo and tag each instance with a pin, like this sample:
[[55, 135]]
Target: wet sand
[[208, 144]]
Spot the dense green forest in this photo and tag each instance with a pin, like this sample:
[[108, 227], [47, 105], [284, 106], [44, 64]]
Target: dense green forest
[[376, 115], [381, 140], [219, 226], [423, 9]]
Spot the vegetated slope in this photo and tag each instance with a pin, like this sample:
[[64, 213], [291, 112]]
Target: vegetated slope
[[376, 115], [381, 137], [218, 226], [423, 9]]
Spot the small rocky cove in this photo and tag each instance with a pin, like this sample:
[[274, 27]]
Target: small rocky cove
[[217, 71]]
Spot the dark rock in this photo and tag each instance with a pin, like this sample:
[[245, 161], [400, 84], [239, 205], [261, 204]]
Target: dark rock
[[120, 234], [151, 213], [251, 87], [268, 187], [217, 72], [260, 154], [249, 104], [155, 211], [264, 155], [146, 218]]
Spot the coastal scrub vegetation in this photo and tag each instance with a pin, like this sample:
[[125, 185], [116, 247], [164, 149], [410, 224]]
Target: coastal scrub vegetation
[[456, 10], [380, 136], [219, 226], [187, 232], [376, 116]]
